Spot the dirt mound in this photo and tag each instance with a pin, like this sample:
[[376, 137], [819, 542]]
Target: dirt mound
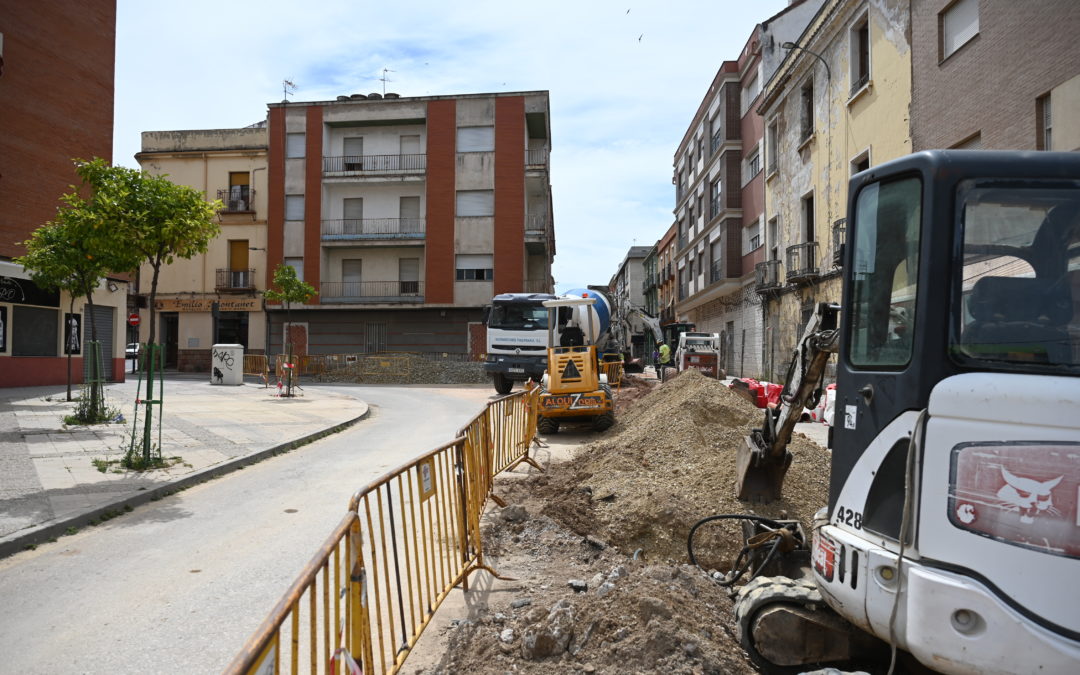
[[670, 463], [599, 543]]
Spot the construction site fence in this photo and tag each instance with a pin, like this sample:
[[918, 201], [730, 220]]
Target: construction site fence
[[407, 540]]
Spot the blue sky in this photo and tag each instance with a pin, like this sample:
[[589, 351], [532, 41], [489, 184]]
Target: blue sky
[[625, 80]]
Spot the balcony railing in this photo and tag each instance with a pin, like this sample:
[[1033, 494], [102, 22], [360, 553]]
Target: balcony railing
[[767, 276], [235, 280], [839, 236], [373, 228], [237, 199], [715, 142], [684, 291], [683, 241], [859, 82], [536, 225], [371, 291], [537, 157], [801, 262], [371, 164], [537, 286]]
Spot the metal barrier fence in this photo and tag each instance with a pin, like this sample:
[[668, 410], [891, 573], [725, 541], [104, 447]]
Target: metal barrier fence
[[407, 540], [256, 365]]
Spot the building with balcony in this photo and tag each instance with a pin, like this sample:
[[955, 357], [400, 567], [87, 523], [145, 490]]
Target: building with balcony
[[719, 209], [666, 290], [215, 298], [57, 65], [627, 291], [650, 287], [830, 110], [995, 75], [407, 214]]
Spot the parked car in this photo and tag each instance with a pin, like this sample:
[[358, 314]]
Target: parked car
[[132, 351]]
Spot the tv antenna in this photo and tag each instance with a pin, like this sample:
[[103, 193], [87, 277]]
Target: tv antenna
[[288, 87], [384, 79]]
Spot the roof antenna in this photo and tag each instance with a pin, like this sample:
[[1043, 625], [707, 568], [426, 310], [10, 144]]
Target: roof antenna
[[385, 79], [288, 87]]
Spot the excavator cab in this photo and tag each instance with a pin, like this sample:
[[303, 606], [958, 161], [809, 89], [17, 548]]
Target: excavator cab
[[573, 388]]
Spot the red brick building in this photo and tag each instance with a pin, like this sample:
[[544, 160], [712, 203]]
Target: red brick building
[[56, 104], [407, 215]]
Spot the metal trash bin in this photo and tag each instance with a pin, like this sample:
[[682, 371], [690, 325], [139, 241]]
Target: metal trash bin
[[227, 364]]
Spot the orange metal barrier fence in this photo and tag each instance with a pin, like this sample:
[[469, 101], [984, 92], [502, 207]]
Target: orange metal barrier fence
[[408, 539]]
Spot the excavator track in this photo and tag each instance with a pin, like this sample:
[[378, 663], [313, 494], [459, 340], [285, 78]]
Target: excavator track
[[785, 627]]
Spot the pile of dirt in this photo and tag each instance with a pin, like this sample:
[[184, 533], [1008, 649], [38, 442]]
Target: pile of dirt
[[599, 544]]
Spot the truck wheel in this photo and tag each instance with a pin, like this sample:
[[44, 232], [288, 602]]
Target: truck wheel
[[603, 422], [503, 384], [547, 426]]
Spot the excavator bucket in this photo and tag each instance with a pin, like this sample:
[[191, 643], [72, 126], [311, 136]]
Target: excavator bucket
[[759, 478]]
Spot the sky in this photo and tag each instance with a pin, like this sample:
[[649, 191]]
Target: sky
[[625, 79]]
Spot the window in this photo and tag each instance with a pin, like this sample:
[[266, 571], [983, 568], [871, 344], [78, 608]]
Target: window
[[475, 203], [716, 256], [861, 162], [808, 217], [353, 210], [716, 139], [1014, 301], [351, 269], [1043, 124], [753, 165], [294, 145], [772, 138], [409, 144], [409, 213], [35, 331], [701, 204], [750, 92], [885, 273], [807, 104], [701, 147], [714, 198], [957, 26], [239, 191], [294, 207], [751, 237], [298, 265], [476, 139], [773, 236], [409, 276], [354, 154], [472, 267], [859, 39]]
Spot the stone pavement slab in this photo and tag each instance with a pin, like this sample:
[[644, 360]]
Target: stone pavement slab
[[54, 476]]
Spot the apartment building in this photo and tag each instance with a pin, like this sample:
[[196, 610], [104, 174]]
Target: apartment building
[[627, 291], [407, 214], [56, 83], [214, 298], [995, 75], [650, 287], [719, 208], [666, 289]]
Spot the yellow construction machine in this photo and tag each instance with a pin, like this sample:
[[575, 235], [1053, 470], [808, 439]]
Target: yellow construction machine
[[573, 389]]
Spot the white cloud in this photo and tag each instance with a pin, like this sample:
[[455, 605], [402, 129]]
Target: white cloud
[[619, 105]]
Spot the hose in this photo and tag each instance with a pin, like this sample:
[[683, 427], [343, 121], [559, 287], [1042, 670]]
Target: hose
[[776, 532]]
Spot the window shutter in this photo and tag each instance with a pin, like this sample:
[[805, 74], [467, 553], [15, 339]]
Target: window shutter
[[476, 139], [294, 145], [476, 203]]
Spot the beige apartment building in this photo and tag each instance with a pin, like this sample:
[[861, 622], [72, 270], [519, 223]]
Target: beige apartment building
[[215, 298]]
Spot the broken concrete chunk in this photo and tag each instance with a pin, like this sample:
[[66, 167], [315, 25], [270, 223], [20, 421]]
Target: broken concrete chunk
[[617, 573], [521, 602], [515, 513], [605, 588], [549, 637], [578, 585], [507, 635]]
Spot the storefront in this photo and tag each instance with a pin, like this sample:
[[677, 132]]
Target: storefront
[[189, 325]]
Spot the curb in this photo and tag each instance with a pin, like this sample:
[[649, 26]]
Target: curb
[[39, 534]]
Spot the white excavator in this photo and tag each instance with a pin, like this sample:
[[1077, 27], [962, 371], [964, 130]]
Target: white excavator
[[951, 538]]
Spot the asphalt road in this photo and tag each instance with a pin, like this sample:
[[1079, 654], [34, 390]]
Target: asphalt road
[[178, 585]]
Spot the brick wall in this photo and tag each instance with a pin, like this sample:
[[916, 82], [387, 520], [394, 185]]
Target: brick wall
[[990, 84], [509, 194], [57, 94], [439, 251]]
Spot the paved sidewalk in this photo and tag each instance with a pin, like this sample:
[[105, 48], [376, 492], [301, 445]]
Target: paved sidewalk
[[48, 478]]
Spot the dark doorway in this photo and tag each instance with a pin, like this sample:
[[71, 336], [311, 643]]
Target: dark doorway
[[170, 337], [232, 329]]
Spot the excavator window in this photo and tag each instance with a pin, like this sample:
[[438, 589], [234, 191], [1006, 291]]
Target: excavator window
[[1019, 300], [885, 273]]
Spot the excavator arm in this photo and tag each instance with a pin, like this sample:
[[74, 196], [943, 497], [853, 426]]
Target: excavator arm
[[763, 459]]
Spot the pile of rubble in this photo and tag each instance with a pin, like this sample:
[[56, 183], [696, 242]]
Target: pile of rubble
[[599, 544]]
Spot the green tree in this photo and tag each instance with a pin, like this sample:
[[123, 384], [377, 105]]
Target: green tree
[[287, 288], [63, 255], [148, 220]]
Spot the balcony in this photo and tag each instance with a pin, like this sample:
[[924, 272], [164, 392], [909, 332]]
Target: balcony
[[237, 199], [767, 276], [715, 272], [537, 286], [234, 281], [839, 236], [683, 241], [351, 229], [536, 159], [801, 262], [374, 165], [371, 292]]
